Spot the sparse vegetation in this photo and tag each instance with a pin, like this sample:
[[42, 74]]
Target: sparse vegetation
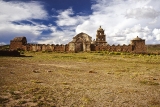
[[80, 79], [149, 83]]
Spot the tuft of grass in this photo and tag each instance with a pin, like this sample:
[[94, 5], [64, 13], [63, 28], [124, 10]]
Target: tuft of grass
[[3, 100], [149, 82], [65, 83], [82, 57], [22, 102], [36, 81]]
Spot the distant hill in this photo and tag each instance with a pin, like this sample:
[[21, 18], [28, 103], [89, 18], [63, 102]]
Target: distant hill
[[153, 48], [4, 47]]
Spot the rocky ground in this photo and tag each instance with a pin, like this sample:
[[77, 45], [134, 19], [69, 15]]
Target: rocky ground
[[80, 80]]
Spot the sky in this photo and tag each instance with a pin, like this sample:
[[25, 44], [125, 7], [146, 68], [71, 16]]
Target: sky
[[58, 21]]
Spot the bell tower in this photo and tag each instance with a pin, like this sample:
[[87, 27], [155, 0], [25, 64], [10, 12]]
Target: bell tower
[[100, 37]]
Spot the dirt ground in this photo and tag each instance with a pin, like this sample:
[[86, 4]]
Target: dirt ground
[[80, 80]]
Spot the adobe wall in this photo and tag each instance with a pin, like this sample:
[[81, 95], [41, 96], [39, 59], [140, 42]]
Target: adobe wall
[[139, 46], [65, 48], [48, 47], [118, 48], [14, 45]]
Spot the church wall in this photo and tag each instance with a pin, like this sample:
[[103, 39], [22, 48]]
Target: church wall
[[113, 48], [48, 47], [88, 47], [139, 47], [71, 47], [16, 45], [82, 42], [66, 48]]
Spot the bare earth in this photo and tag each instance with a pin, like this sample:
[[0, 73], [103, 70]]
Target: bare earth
[[80, 80]]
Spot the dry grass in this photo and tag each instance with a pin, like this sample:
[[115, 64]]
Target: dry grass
[[80, 79]]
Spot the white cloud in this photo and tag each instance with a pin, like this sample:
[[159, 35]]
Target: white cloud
[[58, 37], [16, 11], [67, 18], [144, 12], [21, 11], [2, 43], [123, 20], [156, 33]]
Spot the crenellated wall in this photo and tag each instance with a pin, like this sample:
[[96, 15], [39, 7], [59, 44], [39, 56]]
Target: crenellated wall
[[82, 42], [118, 48], [136, 46], [48, 47], [65, 48]]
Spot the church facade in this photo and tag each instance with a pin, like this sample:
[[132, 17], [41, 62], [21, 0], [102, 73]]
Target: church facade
[[82, 42]]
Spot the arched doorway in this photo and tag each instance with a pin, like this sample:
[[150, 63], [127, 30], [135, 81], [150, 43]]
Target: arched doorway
[[79, 47]]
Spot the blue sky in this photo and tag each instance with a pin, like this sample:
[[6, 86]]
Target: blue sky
[[58, 21]]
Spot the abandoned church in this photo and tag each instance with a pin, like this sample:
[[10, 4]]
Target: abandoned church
[[82, 42]]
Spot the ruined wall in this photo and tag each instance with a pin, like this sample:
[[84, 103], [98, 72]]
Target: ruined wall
[[80, 43], [139, 46], [47, 48], [92, 47], [17, 45], [118, 48]]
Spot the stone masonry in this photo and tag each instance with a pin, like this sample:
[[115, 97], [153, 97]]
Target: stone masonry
[[82, 42]]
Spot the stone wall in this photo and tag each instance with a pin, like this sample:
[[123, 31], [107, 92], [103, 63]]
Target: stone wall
[[138, 45], [65, 48], [47, 48], [118, 48], [80, 43], [18, 43]]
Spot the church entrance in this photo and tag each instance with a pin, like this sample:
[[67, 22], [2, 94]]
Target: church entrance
[[79, 47]]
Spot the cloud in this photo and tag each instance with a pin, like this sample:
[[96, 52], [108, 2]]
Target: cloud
[[123, 20], [21, 11], [67, 21], [156, 33], [2, 43], [57, 37], [14, 13], [67, 18], [144, 12], [17, 11]]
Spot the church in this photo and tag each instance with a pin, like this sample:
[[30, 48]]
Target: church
[[82, 42]]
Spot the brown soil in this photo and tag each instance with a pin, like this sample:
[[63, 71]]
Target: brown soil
[[80, 80]]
